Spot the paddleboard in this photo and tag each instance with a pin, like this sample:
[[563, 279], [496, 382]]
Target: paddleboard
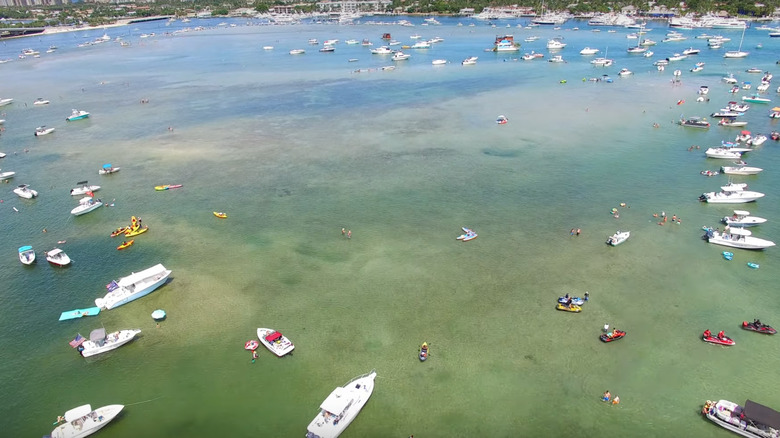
[[78, 313]]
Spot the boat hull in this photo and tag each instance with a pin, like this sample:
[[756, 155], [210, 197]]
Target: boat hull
[[134, 286], [327, 425], [284, 346], [114, 341], [88, 426]]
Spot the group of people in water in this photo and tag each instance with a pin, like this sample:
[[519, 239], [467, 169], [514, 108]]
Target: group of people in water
[[607, 397]]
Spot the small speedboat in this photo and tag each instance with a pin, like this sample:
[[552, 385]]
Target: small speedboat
[[41, 101], [423, 352], [220, 214], [758, 326], [125, 244], [26, 255], [724, 340], [58, 257], [24, 191], [77, 115], [82, 421], [614, 335], [6, 175], [43, 130], [107, 169], [618, 238], [570, 308], [82, 187], [469, 234], [502, 120]]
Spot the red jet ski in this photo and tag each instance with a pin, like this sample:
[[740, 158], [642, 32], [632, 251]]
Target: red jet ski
[[612, 336], [758, 326], [724, 340]]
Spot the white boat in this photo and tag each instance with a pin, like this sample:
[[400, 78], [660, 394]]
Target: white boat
[[704, 90], [723, 153], [737, 238], [6, 175], [382, 50], [742, 218], [108, 169], [695, 122], [755, 99], [699, 66], [86, 205], [470, 61], [83, 421], [421, 45], [625, 72], [100, 342], [740, 170], [82, 188], [268, 47], [26, 255], [274, 341], [618, 238], [602, 62], [43, 130], [730, 79], [134, 286], [737, 53], [24, 191], [649, 53], [439, 61], [351, 42], [400, 56], [6, 101], [751, 421], [297, 51], [41, 101], [731, 122], [341, 407], [731, 195], [756, 140], [58, 257], [77, 115], [588, 51], [691, 51], [556, 58], [555, 44], [676, 57]]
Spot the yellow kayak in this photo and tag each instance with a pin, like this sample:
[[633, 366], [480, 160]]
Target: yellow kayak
[[125, 244], [220, 215], [133, 233]]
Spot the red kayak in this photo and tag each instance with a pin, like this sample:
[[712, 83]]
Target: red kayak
[[758, 326], [612, 336], [725, 340]]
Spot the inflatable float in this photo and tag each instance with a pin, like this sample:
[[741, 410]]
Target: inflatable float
[[251, 345]]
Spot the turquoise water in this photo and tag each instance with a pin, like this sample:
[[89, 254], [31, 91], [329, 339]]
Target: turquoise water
[[294, 148]]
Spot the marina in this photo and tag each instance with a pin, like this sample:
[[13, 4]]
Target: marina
[[293, 149]]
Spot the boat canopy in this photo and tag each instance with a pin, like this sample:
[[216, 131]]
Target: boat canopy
[[25, 248], [273, 336], [81, 183], [740, 232], [337, 401], [107, 166], [762, 414], [97, 334], [76, 413], [742, 212], [776, 109], [745, 132]]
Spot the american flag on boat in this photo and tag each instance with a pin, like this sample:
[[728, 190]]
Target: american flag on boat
[[78, 341], [111, 286]]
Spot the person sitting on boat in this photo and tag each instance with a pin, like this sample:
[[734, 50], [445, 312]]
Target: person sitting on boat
[[707, 333], [721, 335]]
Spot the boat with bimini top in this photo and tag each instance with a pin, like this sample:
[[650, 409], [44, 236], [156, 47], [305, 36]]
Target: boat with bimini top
[[275, 342], [754, 420]]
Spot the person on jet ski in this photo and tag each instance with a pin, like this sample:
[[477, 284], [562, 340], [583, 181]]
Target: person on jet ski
[[721, 335], [757, 323]]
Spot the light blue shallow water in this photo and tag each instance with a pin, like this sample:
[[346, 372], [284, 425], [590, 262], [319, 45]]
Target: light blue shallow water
[[294, 148]]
